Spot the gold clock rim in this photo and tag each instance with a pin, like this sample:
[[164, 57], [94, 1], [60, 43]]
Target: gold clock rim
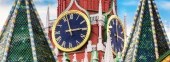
[[109, 20], [84, 40]]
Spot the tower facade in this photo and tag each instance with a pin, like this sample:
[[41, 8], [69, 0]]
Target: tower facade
[[98, 12], [91, 6], [23, 38], [148, 39]]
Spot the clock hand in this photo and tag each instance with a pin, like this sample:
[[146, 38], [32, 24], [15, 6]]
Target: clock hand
[[69, 27], [83, 28], [120, 37], [73, 30], [116, 32], [76, 29], [117, 36]]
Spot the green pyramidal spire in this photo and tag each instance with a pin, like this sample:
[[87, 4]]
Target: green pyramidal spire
[[22, 38], [148, 40]]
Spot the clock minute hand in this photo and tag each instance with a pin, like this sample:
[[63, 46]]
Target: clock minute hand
[[69, 28], [116, 31], [76, 29]]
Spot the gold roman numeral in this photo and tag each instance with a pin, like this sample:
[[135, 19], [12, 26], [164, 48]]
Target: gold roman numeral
[[77, 17], [84, 28], [77, 42], [70, 45], [82, 36], [71, 16], [63, 44], [59, 26], [58, 32], [58, 39], [65, 18], [82, 22]]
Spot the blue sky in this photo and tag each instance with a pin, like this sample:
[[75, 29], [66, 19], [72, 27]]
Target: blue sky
[[129, 7], [125, 7], [41, 6]]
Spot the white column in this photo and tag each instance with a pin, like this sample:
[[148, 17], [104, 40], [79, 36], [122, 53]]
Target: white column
[[56, 51], [75, 58], [100, 45], [89, 46], [47, 20], [108, 56], [85, 56]]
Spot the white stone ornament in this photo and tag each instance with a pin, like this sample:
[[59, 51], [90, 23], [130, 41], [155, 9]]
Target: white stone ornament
[[74, 58], [108, 56], [89, 46], [56, 51], [85, 56]]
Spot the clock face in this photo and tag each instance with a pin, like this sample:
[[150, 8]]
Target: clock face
[[71, 31], [116, 33]]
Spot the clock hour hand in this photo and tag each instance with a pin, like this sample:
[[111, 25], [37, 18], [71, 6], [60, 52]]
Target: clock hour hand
[[117, 36], [120, 37], [76, 29], [73, 30]]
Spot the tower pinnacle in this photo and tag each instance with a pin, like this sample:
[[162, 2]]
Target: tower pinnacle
[[148, 40], [24, 36]]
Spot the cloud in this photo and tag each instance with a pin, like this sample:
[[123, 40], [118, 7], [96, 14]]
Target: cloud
[[129, 19], [4, 12], [164, 4], [168, 31], [42, 10], [167, 28], [6, 5], [3, 2]]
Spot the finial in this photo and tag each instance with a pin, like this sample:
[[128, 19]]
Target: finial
[[125, 16], [47, 19], [100, 10], [85, 56], [74, 59], [89, 46], [114, 9], [108, 56]]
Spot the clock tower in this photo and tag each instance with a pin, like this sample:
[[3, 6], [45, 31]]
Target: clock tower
[[79, 31]]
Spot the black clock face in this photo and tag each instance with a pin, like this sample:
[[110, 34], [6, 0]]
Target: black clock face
[[71, 31], [117, 35]]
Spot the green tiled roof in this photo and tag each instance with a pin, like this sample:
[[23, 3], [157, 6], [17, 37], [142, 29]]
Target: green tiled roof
[[148, 40], [23, 38]]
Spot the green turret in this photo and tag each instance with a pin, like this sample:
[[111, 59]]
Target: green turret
[[94, 55], [23, 38], [148, 39]]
